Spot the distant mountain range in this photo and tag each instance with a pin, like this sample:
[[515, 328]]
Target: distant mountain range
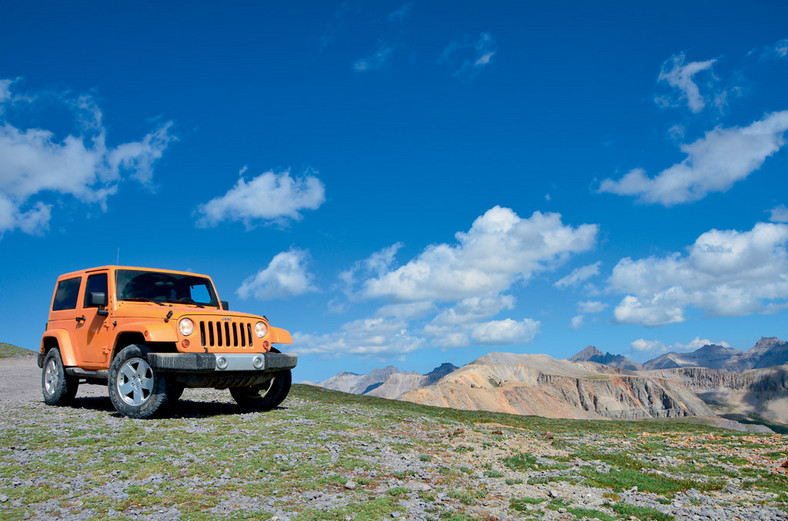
[[388, 382], [741, 385]]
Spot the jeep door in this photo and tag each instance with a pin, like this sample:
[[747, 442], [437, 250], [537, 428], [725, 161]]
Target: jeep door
[[93, 330], [63, 312]]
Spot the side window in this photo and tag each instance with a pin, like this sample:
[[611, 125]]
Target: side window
[[96, 283], [66, 294]]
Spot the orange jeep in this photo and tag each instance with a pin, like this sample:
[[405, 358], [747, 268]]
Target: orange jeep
[[148, 333]]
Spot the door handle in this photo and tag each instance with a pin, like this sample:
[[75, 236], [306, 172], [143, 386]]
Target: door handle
[[80, 319]]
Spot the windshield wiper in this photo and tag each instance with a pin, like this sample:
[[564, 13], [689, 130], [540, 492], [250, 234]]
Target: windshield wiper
[[185, 301], [143, 299]]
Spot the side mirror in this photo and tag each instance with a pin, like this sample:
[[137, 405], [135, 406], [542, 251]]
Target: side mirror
[[225, 305], [98, 299]]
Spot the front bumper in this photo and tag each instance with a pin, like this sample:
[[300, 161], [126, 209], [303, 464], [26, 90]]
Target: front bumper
[[219, 362]]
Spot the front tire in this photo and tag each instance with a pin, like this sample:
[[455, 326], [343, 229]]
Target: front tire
[[58, 387], [264, 397], [135, 389]]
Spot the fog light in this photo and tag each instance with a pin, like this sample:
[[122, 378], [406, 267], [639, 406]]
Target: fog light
[[221, 362], [257, 362]]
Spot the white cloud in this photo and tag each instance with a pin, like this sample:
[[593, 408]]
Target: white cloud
[[591, 306], [270, 197], [407, 310], [5, 92], [285, 276], [401, 13], [375, 60], [379, 336], [505, 332], [680, 76], [655, 346], [577, 321], [473, 309], [454, 326], [578, 275], [34, 161], [469, 58], [499, 250], [725, 273], [776, 51], [375, 265], [779, 214], [713, 164]]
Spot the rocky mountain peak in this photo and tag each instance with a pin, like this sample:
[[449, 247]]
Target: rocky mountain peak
[[765, 344], [587, 354]]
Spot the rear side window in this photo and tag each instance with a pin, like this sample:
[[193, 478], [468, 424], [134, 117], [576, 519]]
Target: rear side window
[[66, 294]]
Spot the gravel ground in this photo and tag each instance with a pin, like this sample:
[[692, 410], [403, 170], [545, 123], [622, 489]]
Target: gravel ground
[[333, 460]]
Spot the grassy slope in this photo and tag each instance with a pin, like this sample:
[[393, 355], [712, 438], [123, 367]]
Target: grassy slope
[[10, 350], [210, 461]]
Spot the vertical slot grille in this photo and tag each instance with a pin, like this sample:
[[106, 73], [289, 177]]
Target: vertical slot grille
[[219, 333]]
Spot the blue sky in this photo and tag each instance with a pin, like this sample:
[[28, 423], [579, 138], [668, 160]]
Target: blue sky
[[408, 182]]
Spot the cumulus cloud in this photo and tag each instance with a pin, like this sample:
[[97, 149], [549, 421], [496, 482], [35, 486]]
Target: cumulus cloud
[[655, 346], [591, 306], [450, 295], [779, 214], [505, 332], [455, 326], [679, 75], [500, 249], [713, 164], [470, 58], [578, 275], [376, 264], [285, 276], [271, 197], [375, 60], [369, 337], [725, 273], [36, 161]]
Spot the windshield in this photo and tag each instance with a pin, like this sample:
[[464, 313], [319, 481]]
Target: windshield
[[164, 287]]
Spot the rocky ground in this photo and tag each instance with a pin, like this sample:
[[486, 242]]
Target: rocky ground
[[332, 456]]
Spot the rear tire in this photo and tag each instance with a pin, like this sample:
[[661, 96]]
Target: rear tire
[[136, 390], [264, 397], [58, 387]]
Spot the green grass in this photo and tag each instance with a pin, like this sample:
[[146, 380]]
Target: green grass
[[521, 462], [626, 511], [9, 350], [522, 504], [590, 513]]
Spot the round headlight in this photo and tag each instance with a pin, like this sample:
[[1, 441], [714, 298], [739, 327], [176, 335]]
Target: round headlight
[[260, 329], [186, 326]]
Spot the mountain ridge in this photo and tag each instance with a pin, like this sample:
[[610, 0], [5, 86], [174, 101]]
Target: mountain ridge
[[593, 384]]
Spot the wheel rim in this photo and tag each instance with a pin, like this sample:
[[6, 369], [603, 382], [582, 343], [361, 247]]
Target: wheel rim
[[51, 377], [135, 381]]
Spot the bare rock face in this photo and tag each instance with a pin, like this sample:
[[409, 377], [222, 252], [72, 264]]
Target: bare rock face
[[755, 393], [358, 383], [767, 352], [541, 385], [388, 382], [592, 354]]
